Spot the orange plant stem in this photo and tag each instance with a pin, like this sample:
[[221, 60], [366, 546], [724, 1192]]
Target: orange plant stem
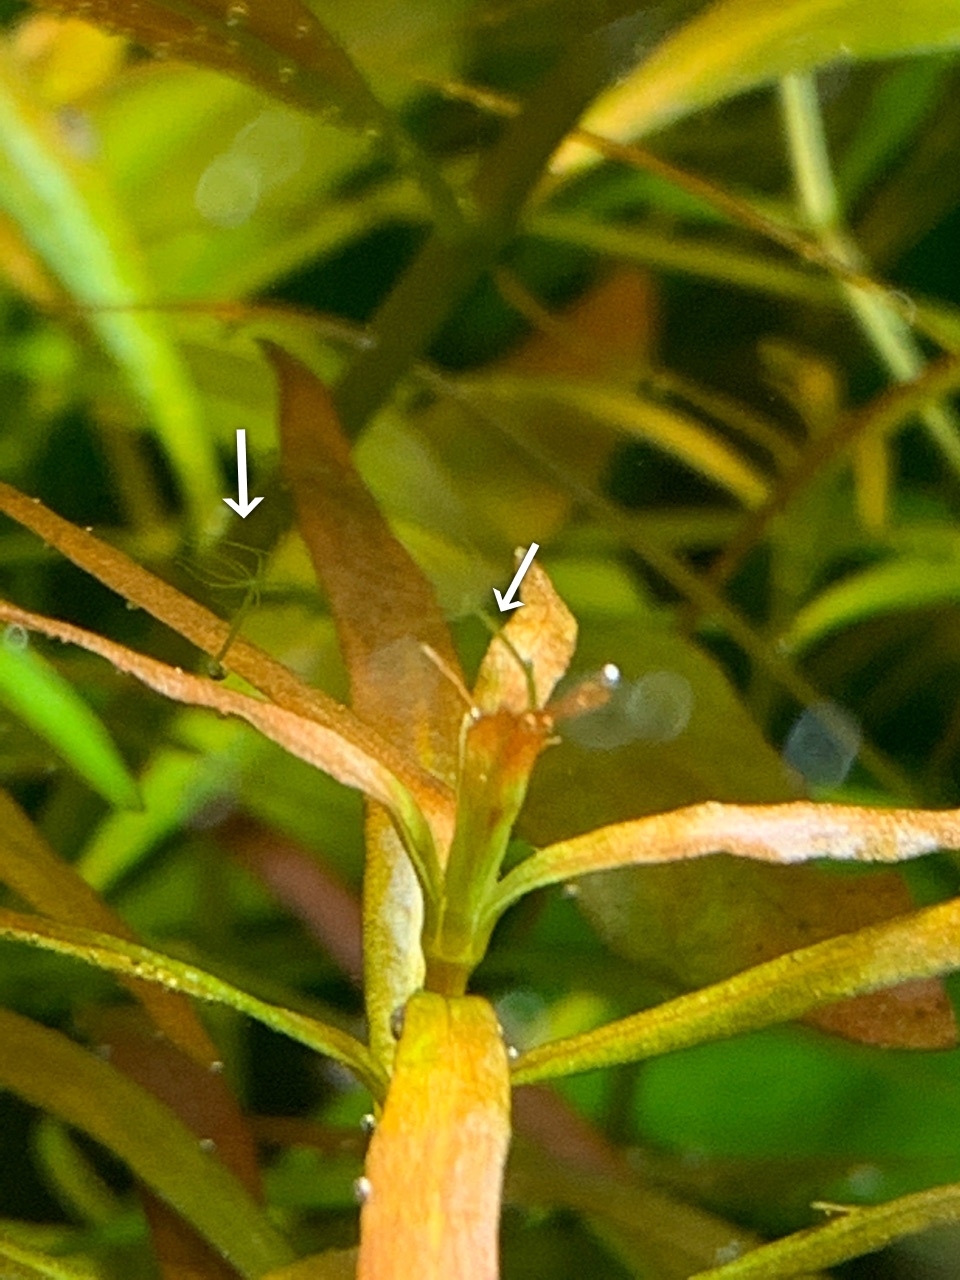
[[434, 1170]]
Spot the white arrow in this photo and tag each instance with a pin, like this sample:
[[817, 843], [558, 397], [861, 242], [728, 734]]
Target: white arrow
[[245, 505], [507, 601]]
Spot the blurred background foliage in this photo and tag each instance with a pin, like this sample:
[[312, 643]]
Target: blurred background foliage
[[671, 371]]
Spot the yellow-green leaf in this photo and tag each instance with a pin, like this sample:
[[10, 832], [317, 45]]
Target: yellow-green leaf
[[65, 210], [735, 45], [51, 1072], [36, 693], [857, 1230], [920, 945]]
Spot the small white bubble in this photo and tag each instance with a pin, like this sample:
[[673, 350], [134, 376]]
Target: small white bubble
[[15, 638], [237, 12], [285, 72], [368, 1124], [216, 1068], [823, 744], [610, 674], [571, 890], [207, 1144], [362, 1190]]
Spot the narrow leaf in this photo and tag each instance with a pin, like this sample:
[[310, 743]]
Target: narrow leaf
[[616, 409], [280, 46], [856, 1231], [386, 613], [920, 945], [315, 743], [129, 959], [51, 1072], [735, 45], [908, 582], [34, 872], [67, 214], [444, 1132], [779, 833], [208, 632], [36, 692], [21, 1262]]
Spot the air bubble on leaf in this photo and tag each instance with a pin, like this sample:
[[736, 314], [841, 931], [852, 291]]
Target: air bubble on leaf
[[368, 1124], [659, 706], [302, 29], [823, 744], [78, 133], [15, 638], [237, 12], [904, 304], [865, 1180], [207, 1144], [273, 143], [286, 71], [216, 1067], [362, 1189], [228, 190], [396, 1021], [522, 1015], [728, 1252]]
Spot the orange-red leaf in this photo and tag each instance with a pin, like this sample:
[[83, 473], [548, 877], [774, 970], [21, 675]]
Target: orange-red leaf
[[434, 1170]]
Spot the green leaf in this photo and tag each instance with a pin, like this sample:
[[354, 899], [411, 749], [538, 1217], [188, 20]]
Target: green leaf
[[53, 1073], [65, 210], [22, 1262], [908, 582], [855, 1231], [128, 959], [646, 419], [735, 45], [33, 871], [36, 692], [920, 945]]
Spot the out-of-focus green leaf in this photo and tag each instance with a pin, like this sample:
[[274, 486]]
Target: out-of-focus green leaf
[[21, 1262], [892, 587], [51, 1072], [67, 213], [734, 45], [657, 423], [334, 1264], [128, 959], [920, 945], [856, 1231], [36, 692]]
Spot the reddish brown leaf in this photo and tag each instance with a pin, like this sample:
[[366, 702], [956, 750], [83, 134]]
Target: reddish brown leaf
[[278, 45], [386, 613]]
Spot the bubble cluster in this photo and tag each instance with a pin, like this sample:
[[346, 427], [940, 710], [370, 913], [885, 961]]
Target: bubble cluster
[[654, 708], [264, 154], [823, 744]]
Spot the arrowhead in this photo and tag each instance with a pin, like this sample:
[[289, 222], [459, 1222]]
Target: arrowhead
[[504, 602], [243, 509]]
